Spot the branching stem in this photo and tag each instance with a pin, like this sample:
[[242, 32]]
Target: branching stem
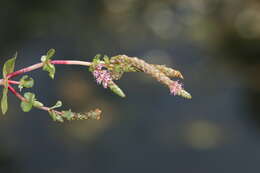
[[39, 65], [19, 96], [35, 67], [104, 71]]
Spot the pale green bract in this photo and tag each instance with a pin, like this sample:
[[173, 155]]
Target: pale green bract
[[47, 66], [7, 69], [26, 82]]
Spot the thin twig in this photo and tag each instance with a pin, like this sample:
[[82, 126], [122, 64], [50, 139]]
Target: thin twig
[[20, 97], [39, 65]]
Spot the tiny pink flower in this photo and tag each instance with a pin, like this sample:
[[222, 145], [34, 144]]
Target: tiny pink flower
[[102, 76], [175, 88]]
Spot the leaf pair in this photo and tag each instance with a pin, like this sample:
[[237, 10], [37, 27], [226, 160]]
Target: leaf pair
[[115, 89], [54, 114], [30, 102], [7, 69], [47, 65], [115, 71], [60, 116], [26, 82], [96, 60]]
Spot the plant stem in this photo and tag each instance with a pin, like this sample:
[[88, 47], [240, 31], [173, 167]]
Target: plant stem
[[17, 94], [13, 82], [39, 65], [35, 67], [20, 97]]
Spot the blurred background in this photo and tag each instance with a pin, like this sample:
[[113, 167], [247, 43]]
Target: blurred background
[[214, 43]]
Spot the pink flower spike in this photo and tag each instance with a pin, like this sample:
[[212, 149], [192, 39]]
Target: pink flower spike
[[102, 76], [176, 88]]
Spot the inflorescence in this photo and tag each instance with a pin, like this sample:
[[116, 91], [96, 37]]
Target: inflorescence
[[105, 71]]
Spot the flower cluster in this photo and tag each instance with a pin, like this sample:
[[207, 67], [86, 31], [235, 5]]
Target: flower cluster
[[161, 73], [102, 76], [176, 88]]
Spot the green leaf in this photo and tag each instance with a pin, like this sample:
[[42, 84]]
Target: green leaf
[[50, 53], [37, 104], [4, 102], [52, 115], [185, 94], [26, 82], [55, 116], [30, 102], [26, 107], [57, 105], [67, 114], [30, 99], [113, 87], [106, 59], [118, 69], [96, 59], [47, 66], [59, 119], [9, 66]]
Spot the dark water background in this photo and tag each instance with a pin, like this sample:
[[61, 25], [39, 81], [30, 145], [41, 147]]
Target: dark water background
[[215, 44]]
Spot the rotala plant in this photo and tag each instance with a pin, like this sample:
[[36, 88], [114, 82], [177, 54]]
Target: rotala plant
[[105, 70]]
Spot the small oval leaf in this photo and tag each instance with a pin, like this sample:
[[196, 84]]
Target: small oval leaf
[[57, 105], [9, 66], [26, 107], [4, 102], [50, 53], [26, 82]]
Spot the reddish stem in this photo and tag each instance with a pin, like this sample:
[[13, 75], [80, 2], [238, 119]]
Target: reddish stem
[[34, 67], [24, 70], [39, 65], [13, 82], [17, 94]]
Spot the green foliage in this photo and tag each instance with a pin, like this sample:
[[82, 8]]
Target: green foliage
[[4, 102], [57, 105], [106, 59], [47, 66], [37, 104], [30, 102], [116, 71], [67, 114], [106, 71], [50, 53], [96, 60], [60, 116], [55, 116], [115, 88], [26, 82], [9, 66], [7, 69]]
